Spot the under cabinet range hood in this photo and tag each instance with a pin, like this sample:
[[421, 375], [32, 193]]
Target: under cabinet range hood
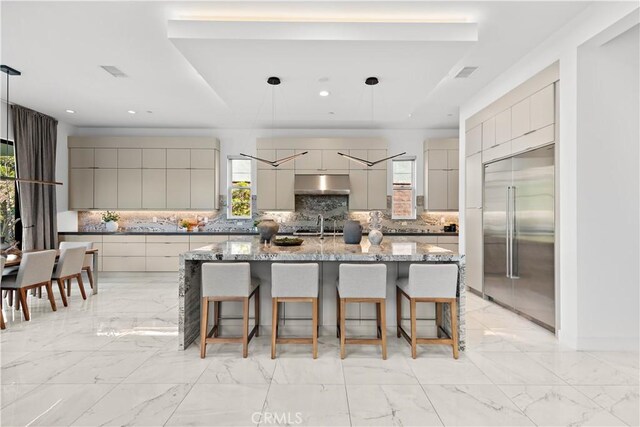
[[322, 184]]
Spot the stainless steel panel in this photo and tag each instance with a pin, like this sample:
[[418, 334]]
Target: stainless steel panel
[[497, 179], [533, 255], [322, 184]]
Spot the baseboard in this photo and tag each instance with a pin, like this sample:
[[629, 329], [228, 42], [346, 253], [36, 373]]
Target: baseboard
[[608, 344]]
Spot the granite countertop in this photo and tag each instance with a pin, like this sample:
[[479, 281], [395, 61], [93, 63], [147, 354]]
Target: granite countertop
[[230, 233], [393, 248]]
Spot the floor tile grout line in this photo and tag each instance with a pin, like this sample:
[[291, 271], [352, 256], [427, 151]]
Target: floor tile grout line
[[346, 392], [431, 403]]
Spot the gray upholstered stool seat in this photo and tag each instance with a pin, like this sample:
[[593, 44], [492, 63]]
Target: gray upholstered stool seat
[[294, 283], [434, 283], [362, 283], [228, 281]]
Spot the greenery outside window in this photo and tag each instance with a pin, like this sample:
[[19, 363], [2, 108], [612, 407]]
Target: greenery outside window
[[239, 183], [8, 200], [404, 188]]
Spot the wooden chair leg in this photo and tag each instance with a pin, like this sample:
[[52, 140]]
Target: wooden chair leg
[[378, 332], [69, 287], [314, 309], [454, 327], [398, 312], [256, 310], [39, 291], [274, 325], [343, 332], [23, 302], [414, 332], [80, 285], [62, 293], [50, 295], [245, 327], [203, 326], [2, 325], [337, 315], [216, 318], [10, 295], [383, 327], [90, 276]]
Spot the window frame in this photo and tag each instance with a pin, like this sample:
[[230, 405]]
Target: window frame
[[414, 183], [231, 187], [17, 231]]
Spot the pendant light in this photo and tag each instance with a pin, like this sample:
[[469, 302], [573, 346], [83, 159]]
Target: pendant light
[[9, 71]]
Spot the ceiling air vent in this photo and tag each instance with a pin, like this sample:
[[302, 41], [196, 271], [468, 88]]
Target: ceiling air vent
[[114, 71], [465, 72]]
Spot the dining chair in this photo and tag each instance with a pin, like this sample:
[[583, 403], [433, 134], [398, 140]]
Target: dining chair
[[69, 268], [88, 258], [34, 271]]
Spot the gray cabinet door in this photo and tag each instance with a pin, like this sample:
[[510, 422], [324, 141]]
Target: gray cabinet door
[[285, 199], [106, 158], [203, 188], [266, 197], [437, 190], [81, 158], [154, 158], [129, 158], [81, 188], [178, 183], [377, 189], [129, 188], [105, 193], [154, 188], [358, 196], [452, 190]]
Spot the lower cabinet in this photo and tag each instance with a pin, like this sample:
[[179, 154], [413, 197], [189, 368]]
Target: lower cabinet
[[474, 249]]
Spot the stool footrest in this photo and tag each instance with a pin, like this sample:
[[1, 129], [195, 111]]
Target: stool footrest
[[294, 340]]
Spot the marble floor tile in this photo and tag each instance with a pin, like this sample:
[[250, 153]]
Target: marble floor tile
[[306, 405], [513, 368], [394, 370], [221, 405], [11, 392], [447, 371], [39, 367], [53, 404], [308, 371], [559, 406], [102, 367], [487, 340], [390, 405], [621, 401], [580, 368], [474, 405], [628, 362], [135, 404], [238, 370], [536, 339], [170, 367]]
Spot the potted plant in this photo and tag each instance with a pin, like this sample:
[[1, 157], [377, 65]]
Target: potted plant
[[110, 220], [189, 224]]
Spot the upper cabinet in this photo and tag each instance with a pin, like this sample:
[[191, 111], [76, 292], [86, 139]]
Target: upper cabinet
[[441, 174], [474, 140], [143, 173], [533, 113]]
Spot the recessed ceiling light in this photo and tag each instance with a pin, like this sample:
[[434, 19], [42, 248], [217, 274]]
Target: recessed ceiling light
[[450, 115], [331, 112], [131, 112], [70, 111], [324, 93], [323, 79], [410, 114]]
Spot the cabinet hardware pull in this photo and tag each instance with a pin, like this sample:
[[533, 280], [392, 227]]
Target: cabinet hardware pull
[[531, 131]]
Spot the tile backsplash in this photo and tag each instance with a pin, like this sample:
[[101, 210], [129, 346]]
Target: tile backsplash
[[307, 208]]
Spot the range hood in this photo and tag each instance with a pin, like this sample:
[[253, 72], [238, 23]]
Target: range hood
[[322, 184]]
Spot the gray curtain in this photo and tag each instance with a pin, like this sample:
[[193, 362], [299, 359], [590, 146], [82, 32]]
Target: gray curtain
[[35, 135]]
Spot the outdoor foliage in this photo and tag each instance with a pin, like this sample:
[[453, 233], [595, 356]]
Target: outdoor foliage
[[241, 200], [7, 199]]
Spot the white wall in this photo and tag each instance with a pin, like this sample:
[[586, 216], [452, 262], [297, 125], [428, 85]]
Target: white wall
[[234, 141], [67, 220], [562, 46]]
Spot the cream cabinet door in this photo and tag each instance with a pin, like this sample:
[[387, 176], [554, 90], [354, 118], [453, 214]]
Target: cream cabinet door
[[543, 108], [452, 189], [438, 159], [474, 248], [267, 155], [375, 155], [266, 197], [437, 190], [521, 118], [503, 126], [106, 158], [489, 133], [178, 184], [473, 140], [331, 160], [453, 159], [129, 188], [310, 161], [178, 158], [81, 188], [474, 173], [377, 189], [154, 188], [361, 154], [105, 193], [154, 158], [81, 157], [281, 154], [129, 158], [358, 195], [285, 199], [203, 159], [203, 191]]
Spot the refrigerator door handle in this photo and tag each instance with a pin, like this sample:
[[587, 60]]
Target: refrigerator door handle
[[513, 255], [508, 234]]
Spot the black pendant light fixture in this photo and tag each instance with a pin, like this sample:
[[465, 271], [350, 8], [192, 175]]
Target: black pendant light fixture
[[9, 71], [274, 81], [372, 82]]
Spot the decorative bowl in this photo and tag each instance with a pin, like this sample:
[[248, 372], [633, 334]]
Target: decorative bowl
[[287, 241]]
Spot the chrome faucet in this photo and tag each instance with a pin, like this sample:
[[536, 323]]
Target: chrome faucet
[[320, 222]]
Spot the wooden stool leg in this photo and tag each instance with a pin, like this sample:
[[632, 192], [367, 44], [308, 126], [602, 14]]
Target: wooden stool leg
[[454, 327], [62, 294], [256, 310], [438, 317], [378, 334], [23, 303], [203, 326], [414, 333], [398, 312], [216, 318], [337, 314], [343, 332], [274, 325], [50, 295], [80, 285], [245, 327], [90, 276], [383, 327], [314, 326]]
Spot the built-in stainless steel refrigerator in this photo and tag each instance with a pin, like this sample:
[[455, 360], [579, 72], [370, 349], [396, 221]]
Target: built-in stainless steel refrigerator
[[519, 229]]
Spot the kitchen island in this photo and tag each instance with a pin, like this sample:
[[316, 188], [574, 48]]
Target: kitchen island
[[396, 252]]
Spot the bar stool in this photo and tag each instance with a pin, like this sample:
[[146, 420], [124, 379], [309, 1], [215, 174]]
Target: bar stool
[[363, 283], [229, 281], [435, 283], [294, 283]]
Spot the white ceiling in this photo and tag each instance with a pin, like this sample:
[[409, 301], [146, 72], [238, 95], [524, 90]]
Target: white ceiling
[[217, 82]]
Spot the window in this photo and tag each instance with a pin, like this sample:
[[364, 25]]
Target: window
[[404, 188], [8, 201], [239, 180]]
